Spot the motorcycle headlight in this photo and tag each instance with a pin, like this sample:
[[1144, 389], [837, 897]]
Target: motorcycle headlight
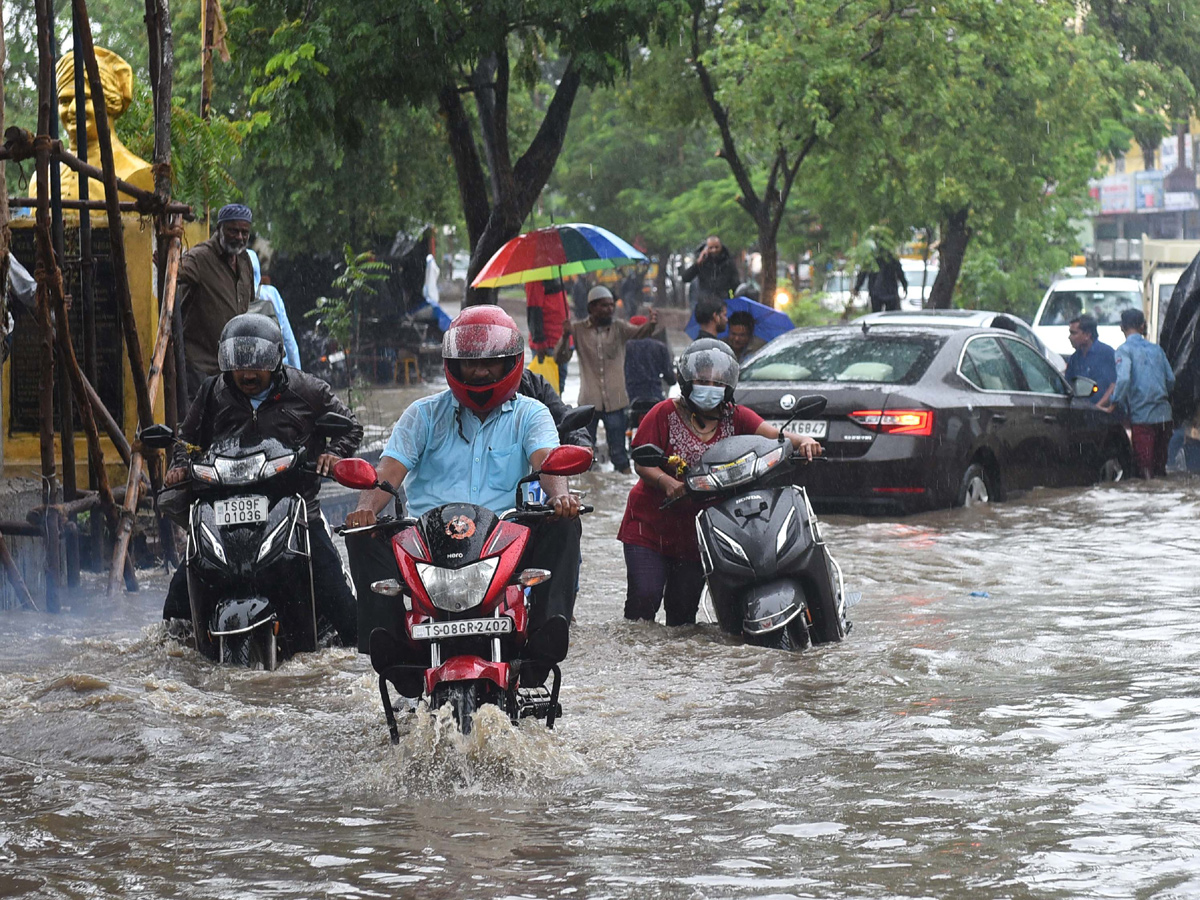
[[765, 463], [456, 590], [734, 473], [240, 471], [206, 473], [278, 464]]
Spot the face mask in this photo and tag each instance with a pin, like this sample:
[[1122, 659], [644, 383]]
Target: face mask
[[707, 396]]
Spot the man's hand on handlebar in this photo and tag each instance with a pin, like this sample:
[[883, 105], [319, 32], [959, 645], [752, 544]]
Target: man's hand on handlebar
[[325, 463], [175, 475], [566, 506], [360, 518]]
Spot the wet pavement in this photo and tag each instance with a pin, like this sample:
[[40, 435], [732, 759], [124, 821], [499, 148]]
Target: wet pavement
[[1016, 714]]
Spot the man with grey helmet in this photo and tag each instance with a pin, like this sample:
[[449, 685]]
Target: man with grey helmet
[[257, 396]]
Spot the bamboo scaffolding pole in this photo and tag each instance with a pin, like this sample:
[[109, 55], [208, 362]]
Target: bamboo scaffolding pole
[[166, 317], [124, 205], [45, 271], [14, 577], [111, 428]]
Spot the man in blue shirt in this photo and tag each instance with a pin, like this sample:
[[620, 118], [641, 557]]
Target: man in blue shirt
[[1092, 358], [1143, 391], [472, 444]]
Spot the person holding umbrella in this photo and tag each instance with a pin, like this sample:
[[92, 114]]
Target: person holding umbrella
[[600, 342]]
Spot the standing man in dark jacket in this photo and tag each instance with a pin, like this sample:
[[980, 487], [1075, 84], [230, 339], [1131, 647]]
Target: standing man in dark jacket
[[882, 283], [216, 283], [647, 365], [258, 397], [716, 271]]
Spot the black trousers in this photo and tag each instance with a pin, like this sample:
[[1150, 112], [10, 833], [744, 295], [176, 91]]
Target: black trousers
[[553, 545], [334, 599]]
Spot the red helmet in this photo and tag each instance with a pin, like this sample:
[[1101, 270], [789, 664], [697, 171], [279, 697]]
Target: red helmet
[[483, 332]]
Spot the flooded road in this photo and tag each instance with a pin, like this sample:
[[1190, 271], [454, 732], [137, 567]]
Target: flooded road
[[1016, 714]]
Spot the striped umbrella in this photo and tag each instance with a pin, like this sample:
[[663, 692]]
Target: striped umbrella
[[556, 252]]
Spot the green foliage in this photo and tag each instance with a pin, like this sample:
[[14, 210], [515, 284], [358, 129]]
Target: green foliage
[[338, 314]]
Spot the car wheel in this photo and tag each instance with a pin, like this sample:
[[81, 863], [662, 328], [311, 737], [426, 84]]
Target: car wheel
[[1113, 469], [975, 487]]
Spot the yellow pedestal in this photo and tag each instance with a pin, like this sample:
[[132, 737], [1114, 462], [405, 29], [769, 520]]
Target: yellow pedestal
[[547, 368]]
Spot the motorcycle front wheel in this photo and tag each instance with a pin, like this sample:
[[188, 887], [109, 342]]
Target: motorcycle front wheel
[[244, 651], [463, 698], [784, 638]]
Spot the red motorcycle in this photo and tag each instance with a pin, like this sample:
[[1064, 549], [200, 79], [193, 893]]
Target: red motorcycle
[[461, 597]]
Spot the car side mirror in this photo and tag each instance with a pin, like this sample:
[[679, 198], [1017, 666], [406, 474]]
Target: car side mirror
[[649, 455], [356, 473], [567, 460], [333, 425], [157, 437], [1083, 388]]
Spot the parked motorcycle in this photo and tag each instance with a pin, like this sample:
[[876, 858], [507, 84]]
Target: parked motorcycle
[[461, 597], [248, 567], [770, 575]]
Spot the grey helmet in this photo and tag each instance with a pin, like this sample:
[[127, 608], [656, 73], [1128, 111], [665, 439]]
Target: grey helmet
[[250, 341], [710, 360]]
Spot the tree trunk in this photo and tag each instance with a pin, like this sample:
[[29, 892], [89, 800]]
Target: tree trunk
[[663, 255], [768, 249], [953, 247], [5, 233]]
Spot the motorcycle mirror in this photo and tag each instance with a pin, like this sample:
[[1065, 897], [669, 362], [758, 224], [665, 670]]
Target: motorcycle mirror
[[649, 455], [356, 473], [805, 408], [158, 437], [567, 460], [579, 417], [333, 425], [1082, 387]]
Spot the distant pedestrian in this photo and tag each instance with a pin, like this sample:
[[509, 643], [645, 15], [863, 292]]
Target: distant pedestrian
[[714, 271], [648, 365], [216, 283], [1143, 393], [712, 317], [1092, 358], [600, 342], [741, 338], [884, 283], [269, 302]]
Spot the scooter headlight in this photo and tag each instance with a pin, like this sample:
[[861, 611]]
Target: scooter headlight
[[701, 483], [734, 473], [278, 464], [240, 471], [456, 590], [768, 462], [206, 473]]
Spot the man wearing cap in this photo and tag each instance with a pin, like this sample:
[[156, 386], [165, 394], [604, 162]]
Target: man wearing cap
[[216, 283], [600, 342]]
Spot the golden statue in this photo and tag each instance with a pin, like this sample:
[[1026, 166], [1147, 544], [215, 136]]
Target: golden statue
[[116, 78]]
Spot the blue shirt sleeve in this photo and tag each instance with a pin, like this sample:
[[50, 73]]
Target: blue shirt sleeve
[[409, 437], [291, 350], [1124, 370], [538, 431], [1106, 371]]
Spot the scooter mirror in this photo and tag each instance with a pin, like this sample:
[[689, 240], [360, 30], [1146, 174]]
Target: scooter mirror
[[356, 473], [807, 407], [333, 425], [158, 437], [579, 417], [567, 460], [649, 455]]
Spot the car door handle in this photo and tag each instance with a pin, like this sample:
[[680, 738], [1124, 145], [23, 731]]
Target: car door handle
[[999, 420], [1050, 419]]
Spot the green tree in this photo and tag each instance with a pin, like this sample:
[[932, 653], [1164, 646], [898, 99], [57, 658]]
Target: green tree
[[331, 61]]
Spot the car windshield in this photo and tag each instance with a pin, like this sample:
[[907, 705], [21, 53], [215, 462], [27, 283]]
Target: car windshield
[[1106, 306], [854, 357]]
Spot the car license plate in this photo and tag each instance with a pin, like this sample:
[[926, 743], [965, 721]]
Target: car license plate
[[248, 510], [440, 631], [813, 428], [337, 356]]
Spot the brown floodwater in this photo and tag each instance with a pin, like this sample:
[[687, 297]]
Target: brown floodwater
[[1015, 714]]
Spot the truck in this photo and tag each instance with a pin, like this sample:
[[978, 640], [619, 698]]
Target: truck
[[1163, 261]]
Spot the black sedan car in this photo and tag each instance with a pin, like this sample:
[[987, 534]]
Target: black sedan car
[[920, 417]]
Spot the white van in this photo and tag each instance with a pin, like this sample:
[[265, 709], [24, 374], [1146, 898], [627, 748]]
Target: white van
[[1104, 298]]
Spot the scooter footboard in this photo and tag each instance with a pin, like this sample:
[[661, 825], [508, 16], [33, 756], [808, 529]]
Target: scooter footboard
[[768, 607]]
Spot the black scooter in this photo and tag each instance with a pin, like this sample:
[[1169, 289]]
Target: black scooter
[[770, 575], [248, 556]]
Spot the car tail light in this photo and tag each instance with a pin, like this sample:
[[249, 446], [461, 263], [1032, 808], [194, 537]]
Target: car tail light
[[896, 421]]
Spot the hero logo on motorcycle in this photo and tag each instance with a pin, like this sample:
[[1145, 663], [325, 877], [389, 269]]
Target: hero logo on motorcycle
[[460, 528]]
